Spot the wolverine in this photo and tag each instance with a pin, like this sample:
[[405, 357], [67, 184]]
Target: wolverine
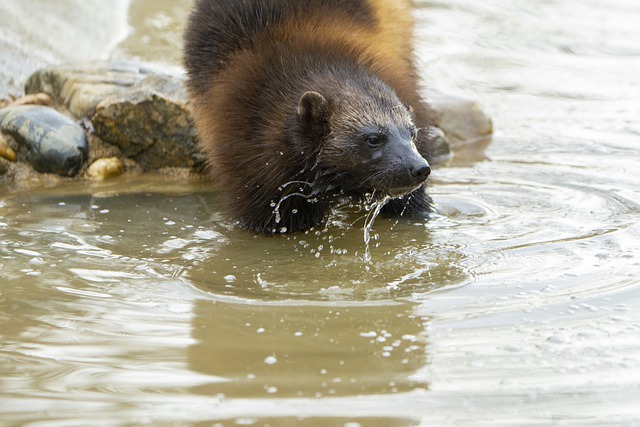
[[303, 105]]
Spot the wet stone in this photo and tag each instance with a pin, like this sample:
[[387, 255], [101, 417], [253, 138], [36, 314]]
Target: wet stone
[[47, 140], [105, 168], [150, 123]]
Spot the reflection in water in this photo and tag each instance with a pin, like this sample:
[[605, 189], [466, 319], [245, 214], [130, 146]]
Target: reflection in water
[[307, 350], [138, 297]]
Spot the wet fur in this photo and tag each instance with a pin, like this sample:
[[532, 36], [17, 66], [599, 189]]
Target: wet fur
[[248, 63]]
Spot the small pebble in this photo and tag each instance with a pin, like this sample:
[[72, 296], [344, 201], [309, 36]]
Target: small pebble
[[105, 168]]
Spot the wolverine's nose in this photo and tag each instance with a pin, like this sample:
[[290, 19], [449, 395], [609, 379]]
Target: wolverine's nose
[[420, 171]]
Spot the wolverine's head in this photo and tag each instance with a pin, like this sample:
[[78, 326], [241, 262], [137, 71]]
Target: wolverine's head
[[365, 138]]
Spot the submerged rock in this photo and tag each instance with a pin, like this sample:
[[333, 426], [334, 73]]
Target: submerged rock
[[105, 168], [150, 123], [48, 141]]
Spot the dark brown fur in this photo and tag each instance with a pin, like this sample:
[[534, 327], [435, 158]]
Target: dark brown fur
[[302, 104]]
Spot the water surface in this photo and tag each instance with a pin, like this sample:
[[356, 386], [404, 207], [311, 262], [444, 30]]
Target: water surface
[[137, 301]]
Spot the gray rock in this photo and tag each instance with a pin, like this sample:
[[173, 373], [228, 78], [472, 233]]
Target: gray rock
[[80, 87], [48, 141], [150, 123]]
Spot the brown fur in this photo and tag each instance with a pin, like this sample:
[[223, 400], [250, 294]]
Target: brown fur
[[280, 157]]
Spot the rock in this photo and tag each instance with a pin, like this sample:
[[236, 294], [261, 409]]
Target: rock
[[6, 151], [105, 168], [48, 141], [461, 119], [150, 123], [80, 87], [136, 107]]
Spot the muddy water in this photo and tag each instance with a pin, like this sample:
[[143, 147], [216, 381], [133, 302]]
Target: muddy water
[[136, 301]]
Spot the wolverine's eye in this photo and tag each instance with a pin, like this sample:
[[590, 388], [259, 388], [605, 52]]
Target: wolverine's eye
[[374, 140], [414, 133]]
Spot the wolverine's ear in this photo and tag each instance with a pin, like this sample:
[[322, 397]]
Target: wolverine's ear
[[313, 109], [409, 108]]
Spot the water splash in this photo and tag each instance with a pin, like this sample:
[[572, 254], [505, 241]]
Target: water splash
[[276, 206], [374, 210]]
